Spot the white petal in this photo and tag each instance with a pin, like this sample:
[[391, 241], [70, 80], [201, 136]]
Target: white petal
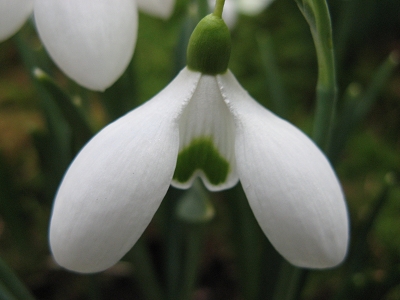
[[116, 183], [158, 8], [206, 125], [252, 7], [13, 14], [291, 187], [92, 41]]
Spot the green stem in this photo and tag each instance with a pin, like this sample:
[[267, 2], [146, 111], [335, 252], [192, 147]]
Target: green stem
[[219, 8], [251, 248], [317, 15], [194, 240], [145, 271], [290, 282]]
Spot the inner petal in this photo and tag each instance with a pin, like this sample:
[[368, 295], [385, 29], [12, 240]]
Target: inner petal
[[206, 140]]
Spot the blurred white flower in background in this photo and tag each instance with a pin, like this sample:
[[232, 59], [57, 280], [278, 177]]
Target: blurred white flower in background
[[13, 14], [234, 7], [92, 41]]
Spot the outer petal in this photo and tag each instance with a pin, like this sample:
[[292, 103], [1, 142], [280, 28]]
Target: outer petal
[[116, 183], [157, 8], [291, 186], [13, 14], [252, 7], [92, 41]]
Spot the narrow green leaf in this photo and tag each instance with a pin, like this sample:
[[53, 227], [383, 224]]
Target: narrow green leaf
[[5, 294], [145, 271], [80, 129], [10, 207], [360, 250], [257, 260], [358, 104], [290, 282], [174, 240], [55, 145], [361, 235], [13, 284], [274, 81], [194, 241]]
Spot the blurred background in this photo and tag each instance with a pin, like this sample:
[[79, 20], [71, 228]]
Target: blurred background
[[273, 57]]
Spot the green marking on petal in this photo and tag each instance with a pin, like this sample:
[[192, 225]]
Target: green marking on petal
[[201, 154]]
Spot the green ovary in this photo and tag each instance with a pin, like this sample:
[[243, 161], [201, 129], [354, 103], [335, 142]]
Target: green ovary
[[201, 154]]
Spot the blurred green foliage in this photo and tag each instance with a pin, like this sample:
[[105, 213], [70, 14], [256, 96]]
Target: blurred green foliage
[[38, 140]]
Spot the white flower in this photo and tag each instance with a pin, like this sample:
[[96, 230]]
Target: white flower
[[158, 8], [13, 14], [206, 126], [247, 7], [251, 7], [92, 41]]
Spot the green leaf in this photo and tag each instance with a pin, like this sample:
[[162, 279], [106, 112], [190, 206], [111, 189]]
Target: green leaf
[[145, 271], [273, 77], [80, 129], [10, 286], [358, 104], [10, 207], [316, 13]]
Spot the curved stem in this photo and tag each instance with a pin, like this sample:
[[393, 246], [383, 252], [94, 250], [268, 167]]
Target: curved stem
[[219, 7], [316, 13]]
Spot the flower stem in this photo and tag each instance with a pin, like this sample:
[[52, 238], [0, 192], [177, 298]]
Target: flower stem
[[317, 15], [194, 241], [145, 273], [219, 7]]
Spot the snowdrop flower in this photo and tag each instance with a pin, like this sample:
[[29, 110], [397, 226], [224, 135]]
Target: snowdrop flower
[[92, 41], [203, 124]]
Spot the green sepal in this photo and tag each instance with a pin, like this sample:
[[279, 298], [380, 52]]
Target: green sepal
[[209, 46]]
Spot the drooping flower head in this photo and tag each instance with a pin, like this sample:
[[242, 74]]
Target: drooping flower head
[[203, 124]]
